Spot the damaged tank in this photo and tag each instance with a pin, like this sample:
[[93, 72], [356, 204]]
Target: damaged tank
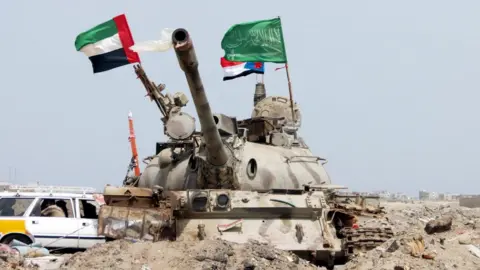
[[238, 180]]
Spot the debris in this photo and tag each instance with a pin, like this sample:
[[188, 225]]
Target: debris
[[401, 267], [439, 225], [416, 246], [44, 263], [411, 248], [205, 254], [428, 256], [441, 249], [392, 245], [442, 240], [29, 251], [145, 267], [474, 250]]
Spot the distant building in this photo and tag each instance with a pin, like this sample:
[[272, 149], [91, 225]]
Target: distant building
[[4, 186], [423, 195]]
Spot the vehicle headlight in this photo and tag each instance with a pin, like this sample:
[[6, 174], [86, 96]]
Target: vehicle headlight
[[223, 200], [199, 202]]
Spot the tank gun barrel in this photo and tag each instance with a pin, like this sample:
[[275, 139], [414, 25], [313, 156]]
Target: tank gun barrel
[[216, 154]]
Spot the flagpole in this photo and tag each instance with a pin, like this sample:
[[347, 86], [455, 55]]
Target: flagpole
[[287, 71]]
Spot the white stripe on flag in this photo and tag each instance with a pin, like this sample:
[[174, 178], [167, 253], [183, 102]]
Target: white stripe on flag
[[103, 46], [231, 71]]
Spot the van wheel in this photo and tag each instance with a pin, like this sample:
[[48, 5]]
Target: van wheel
[[22, 238]]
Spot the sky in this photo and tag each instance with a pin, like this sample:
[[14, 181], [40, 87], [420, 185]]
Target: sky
[[388, 90]]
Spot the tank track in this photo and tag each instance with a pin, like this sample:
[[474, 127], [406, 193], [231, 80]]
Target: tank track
[[364, 238]]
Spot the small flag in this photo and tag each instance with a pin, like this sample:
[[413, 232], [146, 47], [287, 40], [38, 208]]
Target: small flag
[[258, 41], [162, 45], [232, 70], [107, 45]]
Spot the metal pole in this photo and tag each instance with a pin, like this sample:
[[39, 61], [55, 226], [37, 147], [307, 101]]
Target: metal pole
[[287, 71], [290, 91]]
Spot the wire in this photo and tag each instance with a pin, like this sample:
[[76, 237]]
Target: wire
[[281, 201]]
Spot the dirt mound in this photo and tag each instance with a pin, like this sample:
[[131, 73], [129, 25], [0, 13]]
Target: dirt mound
[[207, 254]]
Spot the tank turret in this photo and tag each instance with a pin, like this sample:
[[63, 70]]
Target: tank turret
[[263, 152]]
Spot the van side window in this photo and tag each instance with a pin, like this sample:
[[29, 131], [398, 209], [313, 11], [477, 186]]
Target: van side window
[[89, 209], [14, 207], [51, 207]]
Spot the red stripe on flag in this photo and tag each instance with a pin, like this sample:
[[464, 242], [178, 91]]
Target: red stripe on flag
[[225, 63], [126, 38]]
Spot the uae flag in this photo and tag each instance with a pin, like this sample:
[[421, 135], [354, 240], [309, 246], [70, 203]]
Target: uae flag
[[232, 70], [107, 45]]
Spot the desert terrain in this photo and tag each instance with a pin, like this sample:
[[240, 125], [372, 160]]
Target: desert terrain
[[456, 247]]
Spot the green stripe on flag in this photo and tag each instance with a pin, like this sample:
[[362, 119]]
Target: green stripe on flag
[[97, 33], [257, 41]]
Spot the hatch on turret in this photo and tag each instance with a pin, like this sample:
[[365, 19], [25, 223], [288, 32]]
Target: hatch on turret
[[277, 107]]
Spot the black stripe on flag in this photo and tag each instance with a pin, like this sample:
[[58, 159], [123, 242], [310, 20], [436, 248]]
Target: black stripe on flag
[[243, 74], [108, 61]]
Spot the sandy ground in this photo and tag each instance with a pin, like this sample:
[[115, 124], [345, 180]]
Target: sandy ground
[[439, 251]]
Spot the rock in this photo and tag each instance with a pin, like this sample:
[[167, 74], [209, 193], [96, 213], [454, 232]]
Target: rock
[[442, 241], [393, 246], [401, 267], [248, 264], [265, 252], [385, 255], [200, 258], [438, 225], [220, 257], [476, 225], [465, 240]]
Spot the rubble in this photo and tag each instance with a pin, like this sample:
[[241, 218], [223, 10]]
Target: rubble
[[20, 256], [428, 235], [438, 225], [453, 245], [207, 254]]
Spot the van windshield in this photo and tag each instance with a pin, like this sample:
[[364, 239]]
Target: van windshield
[[14, 207]]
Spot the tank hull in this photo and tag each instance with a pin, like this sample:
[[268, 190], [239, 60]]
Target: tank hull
[[301, 221]]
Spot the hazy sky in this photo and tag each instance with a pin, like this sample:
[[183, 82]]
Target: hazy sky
[[388, 91]]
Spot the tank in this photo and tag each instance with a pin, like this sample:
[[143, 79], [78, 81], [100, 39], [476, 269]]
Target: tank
[[238, 180]]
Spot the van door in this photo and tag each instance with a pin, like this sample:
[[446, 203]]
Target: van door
[[56, 228], [88, 210]]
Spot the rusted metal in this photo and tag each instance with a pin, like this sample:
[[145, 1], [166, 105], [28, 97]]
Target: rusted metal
[[128, 196], [363, 239], [136, 223]]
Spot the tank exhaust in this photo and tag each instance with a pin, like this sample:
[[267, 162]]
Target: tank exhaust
[[260, 93]]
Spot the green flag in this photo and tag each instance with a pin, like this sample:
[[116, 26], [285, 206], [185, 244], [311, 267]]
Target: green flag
[[258, 41]]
